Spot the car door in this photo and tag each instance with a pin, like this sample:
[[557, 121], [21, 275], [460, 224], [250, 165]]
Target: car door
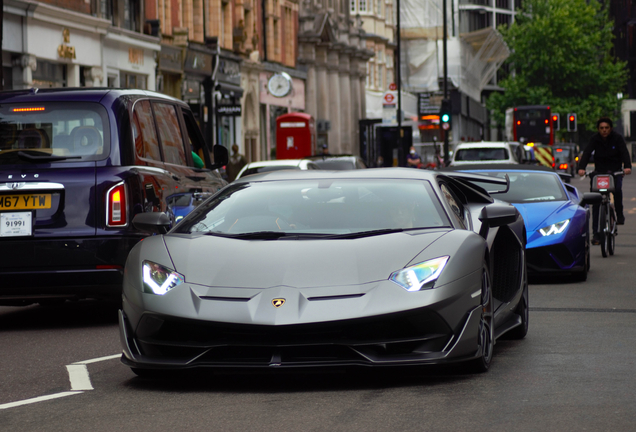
[[177, 147]]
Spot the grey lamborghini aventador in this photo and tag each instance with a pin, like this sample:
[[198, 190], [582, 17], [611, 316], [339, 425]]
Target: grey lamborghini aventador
[[375, 267]]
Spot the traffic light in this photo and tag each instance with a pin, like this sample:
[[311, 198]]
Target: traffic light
[[572, 122], [556, 122], [445, 115]]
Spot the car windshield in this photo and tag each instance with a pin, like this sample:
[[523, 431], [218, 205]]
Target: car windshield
[[269, 168], [335, 164], [481, 154], [53, 132], [562, 155], [528, 187], [318, 207]]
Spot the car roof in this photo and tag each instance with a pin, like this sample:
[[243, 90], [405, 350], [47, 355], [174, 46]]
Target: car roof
[[375, 173], [485, 144], [80, 94], [277, 162], [499, 167]]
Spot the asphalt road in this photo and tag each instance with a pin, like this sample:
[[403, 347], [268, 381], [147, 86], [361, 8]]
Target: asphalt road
[[575, 371]]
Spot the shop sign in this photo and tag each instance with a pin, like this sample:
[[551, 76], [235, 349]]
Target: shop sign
[[64, 50], [229, 110], [229, 71], [171, 59], [136, 56], [198, 62]]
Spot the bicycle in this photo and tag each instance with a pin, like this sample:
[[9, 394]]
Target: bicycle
[[604, 184]]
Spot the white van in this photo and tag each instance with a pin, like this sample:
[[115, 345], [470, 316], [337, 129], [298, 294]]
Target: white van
[[487, 152]]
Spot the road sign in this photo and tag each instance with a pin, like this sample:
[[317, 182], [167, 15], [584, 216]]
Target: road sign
[[389, 98], [393, 87]]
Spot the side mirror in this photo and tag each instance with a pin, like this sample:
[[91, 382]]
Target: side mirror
[[591, 198], [154, 222], [496, 215], [221, 156]]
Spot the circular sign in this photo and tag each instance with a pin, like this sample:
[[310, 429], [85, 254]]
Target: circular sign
[[445, 126], [392, 86], [389, 98]]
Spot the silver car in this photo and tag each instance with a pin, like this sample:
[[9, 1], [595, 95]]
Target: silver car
[[368, 267]]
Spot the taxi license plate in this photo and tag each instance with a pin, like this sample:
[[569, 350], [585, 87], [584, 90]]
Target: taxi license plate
[[25, 202], [16, 224]]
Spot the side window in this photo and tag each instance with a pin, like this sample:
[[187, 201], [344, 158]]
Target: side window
[[144, 132], [454, 203], [171, 140], [193, 138]]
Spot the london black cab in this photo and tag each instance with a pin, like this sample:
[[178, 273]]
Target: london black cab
[[75, 166]]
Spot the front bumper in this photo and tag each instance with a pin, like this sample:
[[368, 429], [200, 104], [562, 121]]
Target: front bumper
[[553, 259], [443, 329]]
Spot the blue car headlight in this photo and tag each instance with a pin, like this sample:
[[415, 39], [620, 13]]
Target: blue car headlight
[[159, 279], [420, 276], [556, 228]]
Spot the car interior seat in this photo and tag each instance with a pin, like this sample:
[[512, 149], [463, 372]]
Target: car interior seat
[[33, 139], [86, 140]]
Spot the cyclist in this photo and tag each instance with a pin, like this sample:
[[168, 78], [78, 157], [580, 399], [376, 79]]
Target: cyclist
[[610, 155]]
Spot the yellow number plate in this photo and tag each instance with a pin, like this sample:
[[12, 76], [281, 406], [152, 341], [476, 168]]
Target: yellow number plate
[[25, 202]]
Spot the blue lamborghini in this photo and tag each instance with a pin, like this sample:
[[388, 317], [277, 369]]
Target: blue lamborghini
[[556, 217]]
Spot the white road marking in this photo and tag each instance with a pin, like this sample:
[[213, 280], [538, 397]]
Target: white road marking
[[39, 399], [78, 376]]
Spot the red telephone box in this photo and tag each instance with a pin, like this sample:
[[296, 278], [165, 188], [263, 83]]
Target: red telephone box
[[295, 136]]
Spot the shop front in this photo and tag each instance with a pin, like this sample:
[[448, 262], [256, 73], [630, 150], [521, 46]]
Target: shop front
[[170, 71], [197, 86], [228, 106], [58, 47], [280, 93], [129, 59]]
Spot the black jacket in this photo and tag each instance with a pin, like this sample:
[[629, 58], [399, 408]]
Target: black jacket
[[609, 154]]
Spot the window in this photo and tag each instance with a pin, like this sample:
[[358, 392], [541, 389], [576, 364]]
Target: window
[[144, 133], [454, 203], [194, 140], [363, 5], [170, 134], [130, 80], [353, 5]]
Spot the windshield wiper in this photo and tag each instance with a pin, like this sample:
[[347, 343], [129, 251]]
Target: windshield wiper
[[46, 157], [371, 233]]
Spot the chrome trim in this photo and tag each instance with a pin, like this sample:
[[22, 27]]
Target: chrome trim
[[30, 186]]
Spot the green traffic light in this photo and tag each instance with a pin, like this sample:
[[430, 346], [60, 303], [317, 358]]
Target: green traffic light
[[445, 118]]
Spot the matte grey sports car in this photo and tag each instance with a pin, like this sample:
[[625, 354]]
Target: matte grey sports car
[[328, 268]]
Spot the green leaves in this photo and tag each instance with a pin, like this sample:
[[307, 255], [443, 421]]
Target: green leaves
[[561, 56]]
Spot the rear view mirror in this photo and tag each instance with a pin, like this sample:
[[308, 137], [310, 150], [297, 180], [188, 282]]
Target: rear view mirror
[[591, 198], [152, 222], [221, 156], [495, 215]]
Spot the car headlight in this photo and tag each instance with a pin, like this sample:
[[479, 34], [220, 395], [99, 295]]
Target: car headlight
[[556, 228], [159, 279], [420, 276]]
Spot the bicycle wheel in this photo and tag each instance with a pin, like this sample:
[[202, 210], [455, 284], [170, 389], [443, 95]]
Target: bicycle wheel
[[602, 229], [611, 233]]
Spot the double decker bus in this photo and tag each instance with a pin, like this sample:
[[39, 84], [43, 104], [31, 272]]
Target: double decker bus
[[532, 125]]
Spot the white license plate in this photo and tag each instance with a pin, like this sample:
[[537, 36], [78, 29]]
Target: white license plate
[[16, 224]]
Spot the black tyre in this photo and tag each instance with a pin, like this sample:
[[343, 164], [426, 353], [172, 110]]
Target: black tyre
[[486, 333], [611, 238], [602, 231]]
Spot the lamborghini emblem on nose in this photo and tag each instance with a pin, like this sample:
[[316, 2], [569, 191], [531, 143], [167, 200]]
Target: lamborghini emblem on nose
[[278, 302]]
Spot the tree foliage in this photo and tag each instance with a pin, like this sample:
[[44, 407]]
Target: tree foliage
[[561, 57]]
